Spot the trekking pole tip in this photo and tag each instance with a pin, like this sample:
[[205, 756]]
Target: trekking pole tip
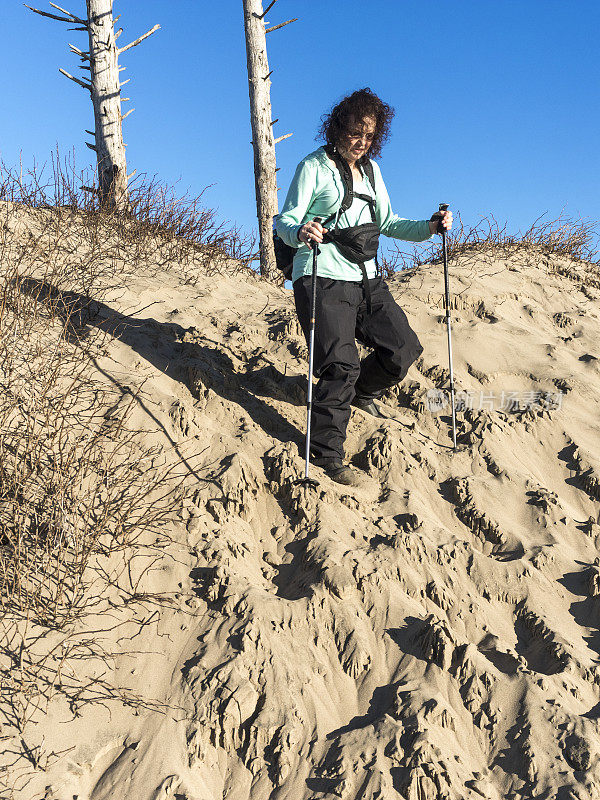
[[311, 483], [460, 448]]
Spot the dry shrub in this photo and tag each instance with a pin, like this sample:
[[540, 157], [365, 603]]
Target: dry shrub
[[573, 239], [69, 490], [161, 229], [190, 235], [72, 483]]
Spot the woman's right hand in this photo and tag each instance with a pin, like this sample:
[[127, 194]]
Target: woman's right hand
[[311, 232]]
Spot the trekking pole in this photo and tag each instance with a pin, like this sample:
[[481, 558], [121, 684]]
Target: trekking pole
[[306, 481], [442, 230]]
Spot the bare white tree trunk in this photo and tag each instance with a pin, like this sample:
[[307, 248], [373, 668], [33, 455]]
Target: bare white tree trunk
[[106, 98], [263, 143], [104, 85]]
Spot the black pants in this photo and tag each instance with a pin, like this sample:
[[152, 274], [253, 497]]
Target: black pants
[[341, 318]]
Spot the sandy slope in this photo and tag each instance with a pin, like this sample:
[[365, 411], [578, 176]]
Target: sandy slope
[[431, 634]]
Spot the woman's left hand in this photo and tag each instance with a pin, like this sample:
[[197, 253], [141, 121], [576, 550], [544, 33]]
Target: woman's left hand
[[443, 217]]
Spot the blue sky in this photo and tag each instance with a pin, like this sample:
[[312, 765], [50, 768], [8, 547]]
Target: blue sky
[[496, 102]]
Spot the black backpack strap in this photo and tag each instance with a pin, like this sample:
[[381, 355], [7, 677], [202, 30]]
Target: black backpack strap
[[366, 287], [368, 168], [367, 165], [347, 181], [371, 202], [370, 173]]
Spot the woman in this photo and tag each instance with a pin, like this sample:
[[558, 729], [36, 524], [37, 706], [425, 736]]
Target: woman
[[352, 301]]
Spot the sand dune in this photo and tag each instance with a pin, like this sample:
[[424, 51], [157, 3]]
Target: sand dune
[[433, 633]]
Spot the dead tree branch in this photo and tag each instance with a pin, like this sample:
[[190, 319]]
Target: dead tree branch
[[85, 85], [139, 40], [281, 25], [68, 13], [55, 16], [102, 61], [267, 9]]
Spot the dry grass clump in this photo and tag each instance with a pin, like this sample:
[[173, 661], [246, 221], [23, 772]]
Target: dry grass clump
[[75, 488], [573, 239], [70, 485]]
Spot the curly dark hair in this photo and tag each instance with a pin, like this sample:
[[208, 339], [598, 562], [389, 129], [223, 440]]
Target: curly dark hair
[[358, 105]]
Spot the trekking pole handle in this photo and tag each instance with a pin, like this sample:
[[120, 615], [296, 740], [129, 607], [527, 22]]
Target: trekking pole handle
[[442, 207], [312, 244]]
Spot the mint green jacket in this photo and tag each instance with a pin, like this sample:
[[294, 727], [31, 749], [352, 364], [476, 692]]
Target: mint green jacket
[[317, 191]]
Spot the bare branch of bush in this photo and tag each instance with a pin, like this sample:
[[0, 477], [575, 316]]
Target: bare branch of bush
[[574, 239], [160, 230], [38, 665]]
